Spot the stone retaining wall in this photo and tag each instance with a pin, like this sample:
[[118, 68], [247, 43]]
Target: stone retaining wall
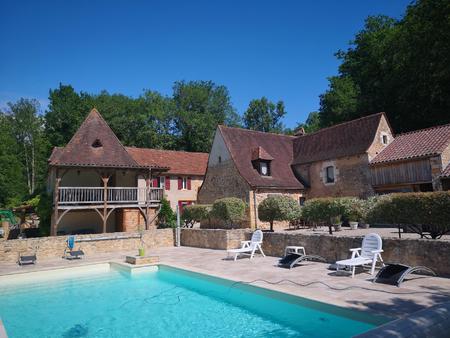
[[53, 247], [433, 254]]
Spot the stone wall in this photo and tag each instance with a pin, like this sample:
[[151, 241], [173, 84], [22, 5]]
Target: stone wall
[[352, 177], [53, 247], [214, 238], [430, 253]]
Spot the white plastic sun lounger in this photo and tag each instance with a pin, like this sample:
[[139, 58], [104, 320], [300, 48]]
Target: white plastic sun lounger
[[249, 247], [368, 253]]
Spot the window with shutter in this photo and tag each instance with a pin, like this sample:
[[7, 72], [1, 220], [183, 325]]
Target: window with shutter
[[167, 183], [180, 183], [188, 183]]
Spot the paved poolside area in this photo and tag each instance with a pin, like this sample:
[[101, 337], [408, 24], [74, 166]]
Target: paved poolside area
[[314, 280]]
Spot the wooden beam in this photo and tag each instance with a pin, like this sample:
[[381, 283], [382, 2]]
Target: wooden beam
[[55, 218], [105, 180]]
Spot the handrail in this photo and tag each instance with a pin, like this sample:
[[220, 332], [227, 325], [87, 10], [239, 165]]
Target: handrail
[[114, 195]]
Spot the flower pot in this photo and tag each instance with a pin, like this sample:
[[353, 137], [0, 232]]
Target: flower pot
[[364, 225], [141, 252], [353, 225], [337, 227]]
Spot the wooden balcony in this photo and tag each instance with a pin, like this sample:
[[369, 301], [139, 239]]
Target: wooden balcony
[[83, 197]]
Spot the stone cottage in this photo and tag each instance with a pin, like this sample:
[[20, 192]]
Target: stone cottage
[[98, 185]]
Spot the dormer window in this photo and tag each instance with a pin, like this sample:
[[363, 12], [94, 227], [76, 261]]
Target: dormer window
[[261, 160], [97, 144]]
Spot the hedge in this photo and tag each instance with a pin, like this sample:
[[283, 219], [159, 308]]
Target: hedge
[[427, 214], [229, 209]]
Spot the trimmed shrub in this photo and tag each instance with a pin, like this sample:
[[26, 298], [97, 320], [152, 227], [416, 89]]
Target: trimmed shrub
[[427, 214], [196, 213], [229, 209], [278, 208], [166, 217]]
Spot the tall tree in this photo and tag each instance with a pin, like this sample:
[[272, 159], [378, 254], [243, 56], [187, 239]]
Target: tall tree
[[199, 107], [311, 124], [264, 115], [13, 186], [401, 67], [66, 111], [27, 129]]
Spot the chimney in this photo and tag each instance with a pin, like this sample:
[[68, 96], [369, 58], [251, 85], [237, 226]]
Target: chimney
[[300, 132]]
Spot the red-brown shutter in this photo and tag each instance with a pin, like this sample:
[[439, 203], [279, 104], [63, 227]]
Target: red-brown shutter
[[155, 183], [167, 183], [180, 183], [189, 183]]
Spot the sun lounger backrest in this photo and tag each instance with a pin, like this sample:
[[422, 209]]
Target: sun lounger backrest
[[371, 242], [257, 237], [71, 242]]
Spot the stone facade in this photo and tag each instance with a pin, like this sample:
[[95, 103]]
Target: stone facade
[[430, 253], [132, 219], [53, 247], [352, 177]]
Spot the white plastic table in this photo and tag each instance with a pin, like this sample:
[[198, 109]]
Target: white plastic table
[[294, 249]]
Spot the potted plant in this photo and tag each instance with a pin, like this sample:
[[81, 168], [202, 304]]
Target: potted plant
[[336, 222], [141, 249]]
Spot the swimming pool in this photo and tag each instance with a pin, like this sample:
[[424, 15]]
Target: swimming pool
[[168, 302]]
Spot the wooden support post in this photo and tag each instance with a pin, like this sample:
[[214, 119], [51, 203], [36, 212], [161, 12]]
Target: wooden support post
[[147, 198], [105, 180], [54, 225]]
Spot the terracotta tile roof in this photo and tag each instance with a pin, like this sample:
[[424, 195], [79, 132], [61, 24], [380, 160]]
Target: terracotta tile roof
[[259, 153], [345, 139], [179, 162], [420, 143], [93, 145], [242, 142], [446, 172]]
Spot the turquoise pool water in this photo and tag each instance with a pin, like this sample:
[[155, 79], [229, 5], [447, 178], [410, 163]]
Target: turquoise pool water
[[167, 303]]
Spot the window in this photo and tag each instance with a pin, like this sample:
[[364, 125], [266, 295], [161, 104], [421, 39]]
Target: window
[[302, 201], [329, 174], [384, 139], [184, 183], [161, 181], [220, 159], [264, 168], [97, 144]]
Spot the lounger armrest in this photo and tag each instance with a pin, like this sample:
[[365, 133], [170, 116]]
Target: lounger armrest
[[377, 251], [245, 244], [355, 252]]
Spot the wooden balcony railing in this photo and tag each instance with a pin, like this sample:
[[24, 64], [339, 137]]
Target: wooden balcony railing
[[114, 195]]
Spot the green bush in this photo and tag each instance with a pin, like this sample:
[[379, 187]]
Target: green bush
[[229, 209], [44, 211], [196, 213], [427, 214], [278, 208], [324, 209], [166, 217]]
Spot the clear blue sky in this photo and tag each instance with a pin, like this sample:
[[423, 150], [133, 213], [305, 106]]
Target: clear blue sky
[[279, 49]]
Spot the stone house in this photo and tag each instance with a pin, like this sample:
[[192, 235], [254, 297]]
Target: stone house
[[249, 165], [98, 185], [334, 161], [414, 161]]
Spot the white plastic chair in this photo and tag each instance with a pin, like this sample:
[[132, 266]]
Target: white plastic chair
[[249, 247], [369, 253]]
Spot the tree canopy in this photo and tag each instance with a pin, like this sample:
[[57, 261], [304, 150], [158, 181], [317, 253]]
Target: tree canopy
[[264, 115], [401, 67]]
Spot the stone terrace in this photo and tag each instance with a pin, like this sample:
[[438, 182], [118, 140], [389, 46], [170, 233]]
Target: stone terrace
[[358, 293]]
